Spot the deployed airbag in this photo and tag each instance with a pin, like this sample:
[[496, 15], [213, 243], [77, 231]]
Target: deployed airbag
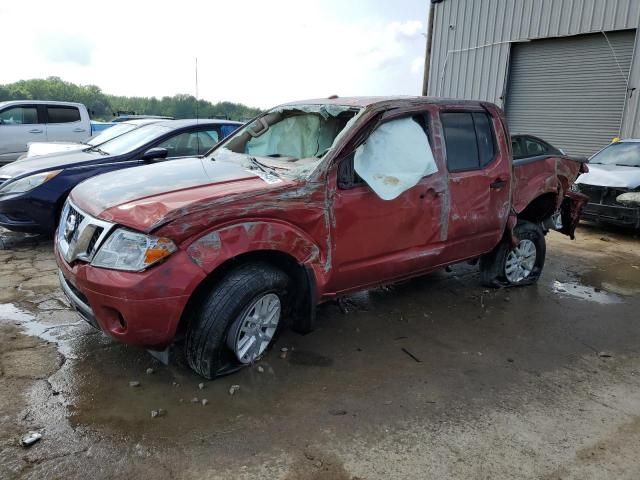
[[394, 158]]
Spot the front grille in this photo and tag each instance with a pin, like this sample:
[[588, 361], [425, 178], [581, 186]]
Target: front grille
[[80, 235], [602, 195]]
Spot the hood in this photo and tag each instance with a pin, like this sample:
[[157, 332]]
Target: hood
[[611, 176], [143, 197], [55, 161], [46, 148]]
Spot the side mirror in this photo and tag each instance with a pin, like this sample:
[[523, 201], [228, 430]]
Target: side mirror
[[155, 154]]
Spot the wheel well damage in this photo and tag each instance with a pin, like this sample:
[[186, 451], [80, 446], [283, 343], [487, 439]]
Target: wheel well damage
[[302, 301]]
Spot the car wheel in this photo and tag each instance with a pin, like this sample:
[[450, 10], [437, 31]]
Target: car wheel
[[519, 265], [238, 320]]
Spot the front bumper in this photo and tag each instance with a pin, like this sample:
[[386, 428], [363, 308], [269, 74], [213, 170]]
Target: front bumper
[[27, 213], [138, 308], [613, 214]]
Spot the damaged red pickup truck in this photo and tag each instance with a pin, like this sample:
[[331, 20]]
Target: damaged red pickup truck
[[308, 202]]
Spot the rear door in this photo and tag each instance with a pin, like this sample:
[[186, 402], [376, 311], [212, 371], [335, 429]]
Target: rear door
[[479, 181], [19, 125], [64, 124]]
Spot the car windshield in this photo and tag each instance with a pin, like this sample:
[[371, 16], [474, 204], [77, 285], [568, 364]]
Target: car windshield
[[133, 140], [287, 140], [111, 132], [625, 154]]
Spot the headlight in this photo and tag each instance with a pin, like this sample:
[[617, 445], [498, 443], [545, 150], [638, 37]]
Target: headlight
[[131, 251], [28, 183]]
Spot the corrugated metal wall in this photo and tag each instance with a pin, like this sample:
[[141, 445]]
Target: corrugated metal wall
[[570, 91], [471, 41]]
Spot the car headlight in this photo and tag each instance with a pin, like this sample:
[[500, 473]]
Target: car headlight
[[25, 184], [132, 251]]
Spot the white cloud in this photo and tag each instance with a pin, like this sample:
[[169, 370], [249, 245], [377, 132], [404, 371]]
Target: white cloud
[[251, 51]]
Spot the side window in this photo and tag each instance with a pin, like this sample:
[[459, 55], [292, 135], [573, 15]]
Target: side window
[[469, 140], [347, 175], [19, 116], [517, 148], [395, 157], [228, 130], [534, 147], [182, 145], [62, 114], [206, 140], [484, 134]]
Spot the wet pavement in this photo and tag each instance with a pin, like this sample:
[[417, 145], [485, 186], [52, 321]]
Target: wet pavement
[[432, 378]]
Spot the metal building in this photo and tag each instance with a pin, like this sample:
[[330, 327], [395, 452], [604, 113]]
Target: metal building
[[565, 70]]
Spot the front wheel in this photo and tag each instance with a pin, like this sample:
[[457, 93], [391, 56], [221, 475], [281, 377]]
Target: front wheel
[[238, 320], [519, 265]]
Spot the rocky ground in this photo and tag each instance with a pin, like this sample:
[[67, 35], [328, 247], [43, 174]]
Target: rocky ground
[[435, 378]]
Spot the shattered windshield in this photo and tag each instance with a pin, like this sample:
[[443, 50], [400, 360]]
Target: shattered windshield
[[287, 141], [626, 154]]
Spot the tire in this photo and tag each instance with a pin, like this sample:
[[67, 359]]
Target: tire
[[229, 306], [505, 266]]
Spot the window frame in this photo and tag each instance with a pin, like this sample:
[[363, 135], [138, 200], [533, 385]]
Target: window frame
[[203, 128], [24, 105], [496, 149], [62, 107], [356, 181]]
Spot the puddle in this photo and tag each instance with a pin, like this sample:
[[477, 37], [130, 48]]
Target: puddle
[[621, 279], [584, 292]]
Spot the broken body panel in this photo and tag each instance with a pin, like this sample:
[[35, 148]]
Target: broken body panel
[[343, 238]]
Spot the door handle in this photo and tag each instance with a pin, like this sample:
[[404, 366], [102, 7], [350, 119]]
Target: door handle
[[35, 130], [79, 130], [499, 183]]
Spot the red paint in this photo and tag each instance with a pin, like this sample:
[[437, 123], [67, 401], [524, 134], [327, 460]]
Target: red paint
[[351, 239]]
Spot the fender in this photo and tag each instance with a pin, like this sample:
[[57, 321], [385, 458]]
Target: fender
[[221, 244]]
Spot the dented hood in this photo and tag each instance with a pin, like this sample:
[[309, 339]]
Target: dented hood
[[611, 176], [143, 197]]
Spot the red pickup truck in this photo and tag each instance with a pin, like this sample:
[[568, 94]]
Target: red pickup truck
[[308, 202]]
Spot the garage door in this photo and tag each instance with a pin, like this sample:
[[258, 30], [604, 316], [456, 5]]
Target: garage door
[[570, 91]]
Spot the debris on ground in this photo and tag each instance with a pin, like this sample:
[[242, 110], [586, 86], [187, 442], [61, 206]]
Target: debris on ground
[[204, 402], [605, 355], [158, 413], [411, 355], [30, 439], [195, 400], [234, 389], [337, 413], [201, 386], [134, 383], [260, 369], [150, 371]]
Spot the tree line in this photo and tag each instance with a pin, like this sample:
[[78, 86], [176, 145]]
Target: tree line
[[102, 106]]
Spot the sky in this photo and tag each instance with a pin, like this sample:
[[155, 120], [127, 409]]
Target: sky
[[257, 52]]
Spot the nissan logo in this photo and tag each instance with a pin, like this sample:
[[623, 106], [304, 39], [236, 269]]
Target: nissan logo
[[70, 226]]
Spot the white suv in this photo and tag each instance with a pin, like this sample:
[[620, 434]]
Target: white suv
[[25, 121]]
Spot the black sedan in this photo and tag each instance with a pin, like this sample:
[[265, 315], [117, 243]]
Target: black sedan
[[33, 190]]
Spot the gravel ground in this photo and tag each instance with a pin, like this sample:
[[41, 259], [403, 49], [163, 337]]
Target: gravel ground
[[434, 378]]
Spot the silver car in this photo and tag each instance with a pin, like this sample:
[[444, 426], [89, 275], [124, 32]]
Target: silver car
[[613, 185]]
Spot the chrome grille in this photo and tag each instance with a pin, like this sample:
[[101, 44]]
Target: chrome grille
[[80, 235]]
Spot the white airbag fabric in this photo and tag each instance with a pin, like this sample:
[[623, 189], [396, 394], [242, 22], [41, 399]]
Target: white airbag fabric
[[394, 158]]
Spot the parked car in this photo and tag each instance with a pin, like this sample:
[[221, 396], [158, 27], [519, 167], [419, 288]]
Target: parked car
[[613, 185], [529, 146], [310, 201], [27, 121], [46, 148], [97, 127], [33, 190]]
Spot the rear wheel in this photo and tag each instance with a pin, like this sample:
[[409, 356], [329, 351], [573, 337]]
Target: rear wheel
[[519, 265], [238, 321]]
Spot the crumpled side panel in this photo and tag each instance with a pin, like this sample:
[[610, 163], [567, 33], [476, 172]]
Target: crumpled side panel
[[394, 158]]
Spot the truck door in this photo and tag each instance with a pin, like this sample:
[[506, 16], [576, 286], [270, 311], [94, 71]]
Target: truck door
[[376, 240], [19, 125], [64, 124], [479, 182]]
